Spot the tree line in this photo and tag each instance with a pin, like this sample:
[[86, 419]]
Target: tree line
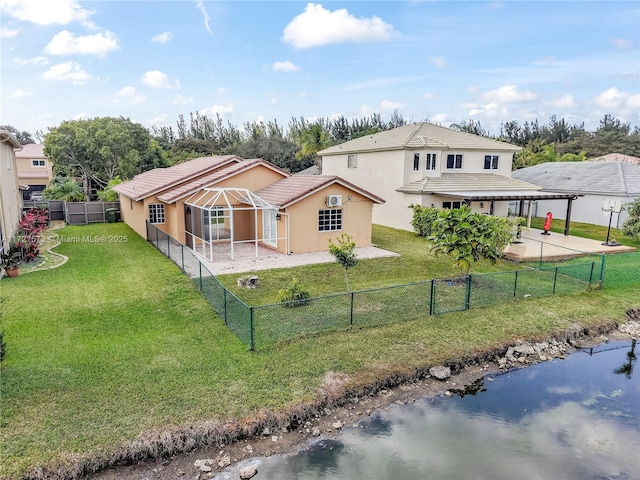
[[100, 149]]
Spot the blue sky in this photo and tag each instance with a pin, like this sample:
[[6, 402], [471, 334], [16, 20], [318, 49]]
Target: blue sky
[[262, 60]]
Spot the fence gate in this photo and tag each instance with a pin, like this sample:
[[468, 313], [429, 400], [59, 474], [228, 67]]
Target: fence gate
[[82, 213]]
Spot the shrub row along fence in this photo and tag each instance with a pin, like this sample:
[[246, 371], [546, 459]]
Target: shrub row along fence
[[75, 213], [260, 326]]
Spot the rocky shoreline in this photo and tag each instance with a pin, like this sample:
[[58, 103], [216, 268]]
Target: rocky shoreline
[[270, 433]]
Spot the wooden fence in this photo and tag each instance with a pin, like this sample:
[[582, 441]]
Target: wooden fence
[[75, 213]]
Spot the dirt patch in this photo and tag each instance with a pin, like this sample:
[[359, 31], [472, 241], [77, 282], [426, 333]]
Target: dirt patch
[[161, 455]]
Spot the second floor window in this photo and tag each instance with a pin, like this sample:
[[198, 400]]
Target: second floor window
[[38, 163], [416, 161], [430, 164], [454, 161], [491, 162]]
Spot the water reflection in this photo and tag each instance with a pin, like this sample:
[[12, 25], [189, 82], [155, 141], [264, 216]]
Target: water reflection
[[577, 418]]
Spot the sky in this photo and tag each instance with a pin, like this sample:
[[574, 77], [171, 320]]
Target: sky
[[441, 61]]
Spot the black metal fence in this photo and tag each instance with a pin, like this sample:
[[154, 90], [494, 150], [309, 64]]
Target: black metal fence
[[268, 324]]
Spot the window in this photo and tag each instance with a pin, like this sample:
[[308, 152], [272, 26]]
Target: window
[[156, 213], [450, 205], [38, 163], [330, 220], [491, 162], [352, 161], [416, 161], [454, 161], [430, 164]]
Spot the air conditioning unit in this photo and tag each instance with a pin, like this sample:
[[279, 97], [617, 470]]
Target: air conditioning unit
[[334, 200]]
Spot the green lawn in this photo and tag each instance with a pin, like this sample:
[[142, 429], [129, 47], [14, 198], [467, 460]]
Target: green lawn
[[117, 342]]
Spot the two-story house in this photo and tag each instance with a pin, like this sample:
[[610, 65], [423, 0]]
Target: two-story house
[[429, 165], [34, 170]]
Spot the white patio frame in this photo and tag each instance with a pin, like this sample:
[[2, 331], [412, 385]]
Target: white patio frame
[[229, 200]]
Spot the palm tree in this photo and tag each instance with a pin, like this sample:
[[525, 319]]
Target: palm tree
[[67, 190], [313, 139]]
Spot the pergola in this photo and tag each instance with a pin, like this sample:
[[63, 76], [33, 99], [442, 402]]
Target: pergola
[[219, 206], [521, 196]]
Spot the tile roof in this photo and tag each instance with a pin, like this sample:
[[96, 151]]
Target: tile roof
[[616, 157], [214, 177], [31, 150], [160, 179], [600, 178], [419, 135], [293, 189], [467, 182]]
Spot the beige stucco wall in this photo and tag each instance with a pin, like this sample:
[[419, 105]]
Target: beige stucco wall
[[382, 173], [10, 195], [30, 175]]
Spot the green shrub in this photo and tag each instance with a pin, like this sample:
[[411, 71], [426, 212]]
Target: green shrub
[[293, 295], [423, 218]]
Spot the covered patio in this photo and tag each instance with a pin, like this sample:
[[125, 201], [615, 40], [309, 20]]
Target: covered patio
[[223, 223]]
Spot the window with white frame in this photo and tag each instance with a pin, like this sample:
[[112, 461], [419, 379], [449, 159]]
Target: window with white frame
[[491, 162], [38, 163], [156, 213], [416, 162], [330, 219], [352, 161], [430, 164], [450, 205], [454, 161]]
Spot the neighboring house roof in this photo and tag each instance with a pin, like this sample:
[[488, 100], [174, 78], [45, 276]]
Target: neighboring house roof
[[160, 179], [608, 178], [31, 150], [292, 189], [616, 157], [467, 182], [214, 177], [419, 135], [8, 137], [313, 170]]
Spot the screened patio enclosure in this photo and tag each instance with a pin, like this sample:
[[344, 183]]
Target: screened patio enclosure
[[222, 222]]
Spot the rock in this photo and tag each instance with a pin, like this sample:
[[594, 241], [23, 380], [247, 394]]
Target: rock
[[524, 349], [337, 425], [266, 431], [205, 468], [204, 463], [440, 372], [522, 359], [248, 471], [224, 461], [274, 438], [315, 432]]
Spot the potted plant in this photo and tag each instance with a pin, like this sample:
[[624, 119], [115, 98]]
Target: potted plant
[[11, 261]]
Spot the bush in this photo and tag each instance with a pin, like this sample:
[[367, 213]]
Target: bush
[[631, 227], [423, 218], [293, 295]]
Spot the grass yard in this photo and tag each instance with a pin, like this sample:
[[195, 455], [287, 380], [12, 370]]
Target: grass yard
[[117, 342]]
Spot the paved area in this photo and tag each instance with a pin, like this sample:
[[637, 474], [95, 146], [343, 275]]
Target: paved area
[[557, 246]]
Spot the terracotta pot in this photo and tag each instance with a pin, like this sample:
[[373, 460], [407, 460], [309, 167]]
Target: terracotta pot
[[12, 272]]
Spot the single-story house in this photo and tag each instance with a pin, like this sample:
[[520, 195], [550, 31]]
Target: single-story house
[[10, 190], [34, 170], [429, 165], [212, 203], [603, 187]]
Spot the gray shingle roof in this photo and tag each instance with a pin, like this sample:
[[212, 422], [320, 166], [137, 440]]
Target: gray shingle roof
[[467, 182], [419, 135], [608, 178]]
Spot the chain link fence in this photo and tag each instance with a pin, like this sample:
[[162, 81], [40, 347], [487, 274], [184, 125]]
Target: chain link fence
[[264, 325]]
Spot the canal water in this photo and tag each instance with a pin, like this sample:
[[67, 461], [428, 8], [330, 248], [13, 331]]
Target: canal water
[[577, 418]]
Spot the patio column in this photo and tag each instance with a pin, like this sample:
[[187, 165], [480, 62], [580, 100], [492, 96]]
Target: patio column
[[568, 216]]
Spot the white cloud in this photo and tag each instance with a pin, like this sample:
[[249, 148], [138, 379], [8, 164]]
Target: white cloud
[[8, 32], [429, 96], [284, 67], [317, 26], [180, 100], [220, 91], [386, 107], [566, 101], [163, 37], [438, 61], [45, 12], [80, 116], [222, 110], [65, 43], [200, 6], [439, 118], [158, 119], [490, 110], [622, 44], [615, 99], [35, 61], [127, 92], [508, 94], [67, 71], [158, 79], [18, 93]]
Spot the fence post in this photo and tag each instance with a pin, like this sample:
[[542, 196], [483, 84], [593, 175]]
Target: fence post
[[591, 273], [351, 314], [225, 305], [467, 297], [253, 347], [433, 294], [555, 278], [602, 268], [515, 285]]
